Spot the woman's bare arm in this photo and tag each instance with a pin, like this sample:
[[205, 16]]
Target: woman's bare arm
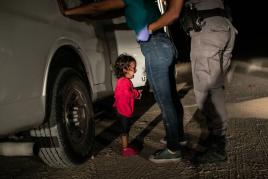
[[96, 8], [173, 12]]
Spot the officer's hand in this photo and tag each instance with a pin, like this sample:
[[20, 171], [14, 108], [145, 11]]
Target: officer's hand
[[143, 35]]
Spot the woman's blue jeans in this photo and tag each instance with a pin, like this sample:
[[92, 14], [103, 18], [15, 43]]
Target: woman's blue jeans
[[159, 53]]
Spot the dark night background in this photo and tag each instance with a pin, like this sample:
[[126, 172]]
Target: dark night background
[[250, 19]]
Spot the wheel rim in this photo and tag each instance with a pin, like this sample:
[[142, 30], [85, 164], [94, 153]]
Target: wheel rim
[[77, 114]]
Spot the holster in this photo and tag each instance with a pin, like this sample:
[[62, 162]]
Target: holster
[[189, 19], [192, 19]]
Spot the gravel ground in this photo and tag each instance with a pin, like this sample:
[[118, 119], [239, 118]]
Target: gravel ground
[[247, 139]]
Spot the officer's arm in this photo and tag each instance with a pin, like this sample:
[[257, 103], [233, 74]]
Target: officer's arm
[[96, 8], [172, 13]]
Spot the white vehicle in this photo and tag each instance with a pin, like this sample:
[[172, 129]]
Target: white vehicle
[[52, 71]]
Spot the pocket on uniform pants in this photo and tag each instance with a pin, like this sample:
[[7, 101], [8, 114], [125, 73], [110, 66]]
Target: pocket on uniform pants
[[217, 24], [226, 62]]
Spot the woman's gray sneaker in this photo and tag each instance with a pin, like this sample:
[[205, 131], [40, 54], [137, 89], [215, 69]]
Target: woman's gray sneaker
[[165, 156]]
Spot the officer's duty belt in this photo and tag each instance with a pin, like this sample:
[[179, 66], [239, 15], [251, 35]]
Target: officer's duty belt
[[211, 13]]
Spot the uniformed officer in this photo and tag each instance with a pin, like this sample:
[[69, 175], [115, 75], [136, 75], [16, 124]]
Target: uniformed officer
[[212, 42]]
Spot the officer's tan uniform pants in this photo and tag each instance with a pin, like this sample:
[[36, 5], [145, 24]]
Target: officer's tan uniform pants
[[211, 51]]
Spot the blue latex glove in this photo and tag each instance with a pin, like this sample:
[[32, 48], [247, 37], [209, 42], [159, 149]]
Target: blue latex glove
[[143, 34]]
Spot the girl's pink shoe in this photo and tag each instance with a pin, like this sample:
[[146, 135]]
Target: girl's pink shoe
[[128, 151]]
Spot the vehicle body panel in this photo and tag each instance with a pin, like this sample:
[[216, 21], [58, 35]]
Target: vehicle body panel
[[31, 33]]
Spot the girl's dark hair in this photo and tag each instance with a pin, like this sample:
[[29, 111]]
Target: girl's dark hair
[[122, 62]]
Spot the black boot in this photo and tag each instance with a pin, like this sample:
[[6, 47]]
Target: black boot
[[205, 144], [214, 150]]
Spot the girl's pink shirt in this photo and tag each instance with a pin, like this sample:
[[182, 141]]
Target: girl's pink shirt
[[125, 96]]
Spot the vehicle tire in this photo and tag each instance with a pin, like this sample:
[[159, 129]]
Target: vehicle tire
[[67, 138]]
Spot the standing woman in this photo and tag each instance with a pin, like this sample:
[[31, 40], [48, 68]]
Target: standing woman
[[144, 17]]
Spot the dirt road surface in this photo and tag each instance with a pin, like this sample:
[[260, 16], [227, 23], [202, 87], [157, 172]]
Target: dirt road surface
[[246, 95]]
